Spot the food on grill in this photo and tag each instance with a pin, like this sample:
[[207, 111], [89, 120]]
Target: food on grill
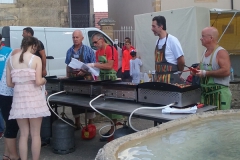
[[181, 85], [131, 83]]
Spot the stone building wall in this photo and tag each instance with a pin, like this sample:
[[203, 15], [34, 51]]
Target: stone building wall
[[49, 13], [235, 89]]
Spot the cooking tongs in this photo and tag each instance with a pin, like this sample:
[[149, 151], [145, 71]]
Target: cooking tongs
[[192, 69], [189, 69]]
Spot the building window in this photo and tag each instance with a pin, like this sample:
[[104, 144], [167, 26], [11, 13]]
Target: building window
[[7, 1]]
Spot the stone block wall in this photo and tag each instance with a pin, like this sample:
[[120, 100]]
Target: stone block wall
[[108, 30], [48, 13], [235, 89]]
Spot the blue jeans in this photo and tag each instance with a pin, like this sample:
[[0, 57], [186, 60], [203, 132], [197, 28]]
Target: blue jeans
[[2, 126]]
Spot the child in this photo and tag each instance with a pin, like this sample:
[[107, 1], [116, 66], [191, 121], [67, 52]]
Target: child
[[135, 64]]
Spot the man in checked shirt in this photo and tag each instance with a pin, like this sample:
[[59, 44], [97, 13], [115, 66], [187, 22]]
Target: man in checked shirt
[[86, 55]]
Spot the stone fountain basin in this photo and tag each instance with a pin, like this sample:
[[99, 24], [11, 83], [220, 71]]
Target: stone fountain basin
[[110, 150]]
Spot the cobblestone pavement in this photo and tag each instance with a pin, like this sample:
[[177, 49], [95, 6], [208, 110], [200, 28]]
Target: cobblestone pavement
[[85, 149]]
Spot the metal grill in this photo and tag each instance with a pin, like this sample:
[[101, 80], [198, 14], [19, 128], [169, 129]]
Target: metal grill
[[54, 86], [83, 89], [119, 90], [69, 88], [120, 94], [165, 97]]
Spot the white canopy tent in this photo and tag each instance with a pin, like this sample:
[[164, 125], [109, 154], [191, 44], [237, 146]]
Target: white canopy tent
[[186, 24]]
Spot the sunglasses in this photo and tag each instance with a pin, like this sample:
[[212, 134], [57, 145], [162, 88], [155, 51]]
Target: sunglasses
[[95, 42]]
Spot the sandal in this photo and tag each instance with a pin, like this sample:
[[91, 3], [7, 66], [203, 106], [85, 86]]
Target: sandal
[[6, 157]]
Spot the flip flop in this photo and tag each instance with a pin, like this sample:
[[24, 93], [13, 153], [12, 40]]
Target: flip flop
[[6, 157]]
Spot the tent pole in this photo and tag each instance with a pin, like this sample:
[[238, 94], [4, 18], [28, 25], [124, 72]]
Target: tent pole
[[227, 27]]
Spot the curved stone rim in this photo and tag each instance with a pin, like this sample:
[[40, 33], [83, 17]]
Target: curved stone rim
[[110, 150]]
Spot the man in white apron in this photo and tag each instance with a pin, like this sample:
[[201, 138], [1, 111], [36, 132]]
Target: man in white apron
[[169, 56]]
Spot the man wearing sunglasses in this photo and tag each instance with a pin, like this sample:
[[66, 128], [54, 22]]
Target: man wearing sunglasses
[[107, 62], [107, 56]]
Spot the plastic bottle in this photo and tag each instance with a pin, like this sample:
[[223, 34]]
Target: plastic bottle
[[141, 77], [232, 74], [150, 75], [153, 75]]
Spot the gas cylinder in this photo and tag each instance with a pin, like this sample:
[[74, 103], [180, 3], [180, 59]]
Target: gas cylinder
[[89, 131], [125, 130], [63, 141]]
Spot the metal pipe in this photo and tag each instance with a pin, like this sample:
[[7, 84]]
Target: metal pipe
[[232, 4], [227, 27]]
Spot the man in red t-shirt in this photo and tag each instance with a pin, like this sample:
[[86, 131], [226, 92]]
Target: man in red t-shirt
[[107, 58]]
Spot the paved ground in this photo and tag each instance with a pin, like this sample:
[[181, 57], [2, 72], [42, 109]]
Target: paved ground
[[85, 149]]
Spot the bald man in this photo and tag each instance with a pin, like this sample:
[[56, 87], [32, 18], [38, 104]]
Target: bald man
[[86, 55], [214, 71]]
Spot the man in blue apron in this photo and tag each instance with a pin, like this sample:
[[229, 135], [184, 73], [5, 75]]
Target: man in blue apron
[[86, 55], [214, 71], [168, 53]]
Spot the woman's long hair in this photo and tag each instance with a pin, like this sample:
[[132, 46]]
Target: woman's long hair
[[27, 42]]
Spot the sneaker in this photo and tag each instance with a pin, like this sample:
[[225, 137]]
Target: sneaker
[[78, 126]]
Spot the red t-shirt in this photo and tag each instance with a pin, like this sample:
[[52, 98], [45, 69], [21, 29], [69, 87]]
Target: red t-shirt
[[109, 55], [124, 48], [126, 57]]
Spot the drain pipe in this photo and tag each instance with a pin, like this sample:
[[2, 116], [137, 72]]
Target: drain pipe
[[232, 4]]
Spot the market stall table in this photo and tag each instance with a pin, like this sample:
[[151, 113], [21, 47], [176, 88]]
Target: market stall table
[[122, 107]]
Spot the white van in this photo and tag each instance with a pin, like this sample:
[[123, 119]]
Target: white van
[[56, 42]]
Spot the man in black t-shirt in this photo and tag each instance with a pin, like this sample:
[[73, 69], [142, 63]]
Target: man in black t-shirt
[[28, 31], [45, 138]]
